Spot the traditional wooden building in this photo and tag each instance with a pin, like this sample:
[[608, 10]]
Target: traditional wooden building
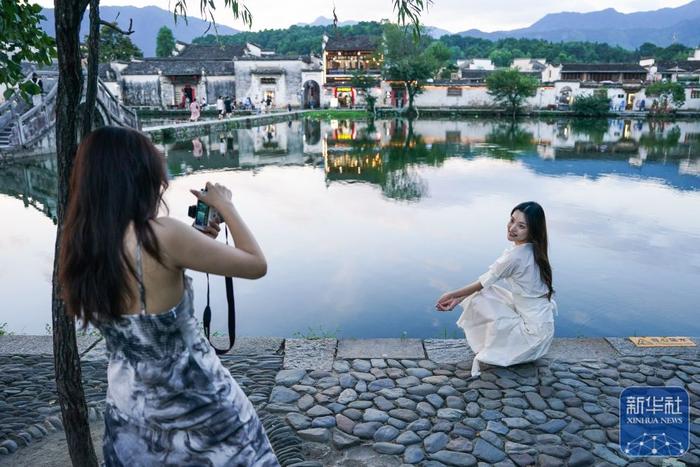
[[240, 72], [344, 57], [604, 72]]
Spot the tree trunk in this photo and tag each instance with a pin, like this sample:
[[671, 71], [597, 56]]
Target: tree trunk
[[68, 15], [92, 68]]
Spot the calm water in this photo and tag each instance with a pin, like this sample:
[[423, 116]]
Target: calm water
[[364, 227]]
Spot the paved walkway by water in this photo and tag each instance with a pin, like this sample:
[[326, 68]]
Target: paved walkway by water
[[389, 402]]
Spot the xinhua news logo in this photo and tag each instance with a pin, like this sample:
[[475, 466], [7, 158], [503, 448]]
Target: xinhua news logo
[[654, 421]]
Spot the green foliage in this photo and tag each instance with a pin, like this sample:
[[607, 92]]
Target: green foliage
[[670, 94], [670, 53], [165, 42], [297, 40], [409, 61], [595, 105], [510, 88], [334, 114], [3, 329], [594, 128], [21, 40], [116, 46]]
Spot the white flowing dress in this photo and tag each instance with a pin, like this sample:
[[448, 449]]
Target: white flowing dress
[[506, 327]]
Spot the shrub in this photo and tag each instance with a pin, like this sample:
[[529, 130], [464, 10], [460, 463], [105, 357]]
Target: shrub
[[595, 105]]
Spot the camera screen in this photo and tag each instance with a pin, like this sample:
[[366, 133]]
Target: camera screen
[[202, 216]]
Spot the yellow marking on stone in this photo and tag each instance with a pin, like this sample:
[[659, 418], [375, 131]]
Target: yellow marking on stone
[[662, 341]]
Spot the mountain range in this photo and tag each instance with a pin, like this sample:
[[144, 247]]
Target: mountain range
[[662, 27], [432, 31], [629, 30], [146, 23]]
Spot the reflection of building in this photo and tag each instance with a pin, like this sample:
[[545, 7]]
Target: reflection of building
[[344, 57]]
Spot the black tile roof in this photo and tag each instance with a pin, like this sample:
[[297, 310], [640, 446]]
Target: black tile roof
[[688, 66], [212, 52], [602, 67], [177, 66], [350, 43], [273, 58], [466, 73]]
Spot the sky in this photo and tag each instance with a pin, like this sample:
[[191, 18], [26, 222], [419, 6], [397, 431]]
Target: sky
[[452, 15]]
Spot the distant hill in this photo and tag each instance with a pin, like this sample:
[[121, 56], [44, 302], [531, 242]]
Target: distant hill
[[432, 31], [147, 21], [629, 30]]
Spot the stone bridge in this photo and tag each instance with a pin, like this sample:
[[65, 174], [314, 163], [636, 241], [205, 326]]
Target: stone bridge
[[24, 126]]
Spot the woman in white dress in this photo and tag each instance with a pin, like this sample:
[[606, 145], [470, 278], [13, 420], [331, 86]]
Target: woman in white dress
[[505, 327]]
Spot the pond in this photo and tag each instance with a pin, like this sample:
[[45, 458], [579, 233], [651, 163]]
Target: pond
[[364, 226]]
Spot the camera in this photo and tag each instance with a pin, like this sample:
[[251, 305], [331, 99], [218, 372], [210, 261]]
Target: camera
[[202, 214]]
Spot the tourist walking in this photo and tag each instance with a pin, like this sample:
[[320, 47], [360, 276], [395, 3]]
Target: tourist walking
[[169, 399], [227, 106], [220, 107], [508, 326], [38, 98], [194, 111]]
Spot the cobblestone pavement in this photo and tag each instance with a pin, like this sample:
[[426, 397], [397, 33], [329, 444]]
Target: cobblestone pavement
[[549, 413], [29, 409], [388, 412]]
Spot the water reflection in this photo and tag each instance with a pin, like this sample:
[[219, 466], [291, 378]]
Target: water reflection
[[386, 153], [365, 223]]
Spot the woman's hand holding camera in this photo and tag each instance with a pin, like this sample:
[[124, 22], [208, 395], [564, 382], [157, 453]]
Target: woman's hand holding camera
[[215, 195], [218, 197]]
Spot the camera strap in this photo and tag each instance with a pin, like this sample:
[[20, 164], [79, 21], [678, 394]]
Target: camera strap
[[206, 319]]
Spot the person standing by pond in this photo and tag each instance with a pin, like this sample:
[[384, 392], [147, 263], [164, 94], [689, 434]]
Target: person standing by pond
[[506, 327], [122, 269], [194, 111]]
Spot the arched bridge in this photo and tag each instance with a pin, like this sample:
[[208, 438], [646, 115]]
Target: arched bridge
[[24, 125]]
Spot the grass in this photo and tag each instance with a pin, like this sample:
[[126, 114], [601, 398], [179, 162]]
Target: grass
[[445, 334], [3, 329], [314, 334], [353, 114]]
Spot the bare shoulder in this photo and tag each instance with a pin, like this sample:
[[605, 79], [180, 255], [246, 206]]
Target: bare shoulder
[[170, 232]]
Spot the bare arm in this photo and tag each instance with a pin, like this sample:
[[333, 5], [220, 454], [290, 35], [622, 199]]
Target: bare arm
[[451, 299], [188, 248], [466, 291]]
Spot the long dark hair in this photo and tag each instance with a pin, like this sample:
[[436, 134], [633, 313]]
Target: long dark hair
[[537, 228], [118, 178]]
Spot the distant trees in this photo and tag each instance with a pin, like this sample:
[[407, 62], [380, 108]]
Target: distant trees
[[307, 39], [410, 61], [510, 87], [165, 42], [22, 40], [116, 46]]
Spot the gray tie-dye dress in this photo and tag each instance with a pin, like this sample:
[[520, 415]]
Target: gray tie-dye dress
[[170, 401]]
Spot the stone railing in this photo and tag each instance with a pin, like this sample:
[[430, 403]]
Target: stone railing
[[32, 123]]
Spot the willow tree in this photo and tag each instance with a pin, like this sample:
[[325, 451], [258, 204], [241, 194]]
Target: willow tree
[[69, 14]]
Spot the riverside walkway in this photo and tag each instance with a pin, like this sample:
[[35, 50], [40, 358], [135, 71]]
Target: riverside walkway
[[186, 129], [387, 402]]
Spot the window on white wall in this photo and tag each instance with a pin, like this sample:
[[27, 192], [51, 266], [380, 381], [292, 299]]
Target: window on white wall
[[695, 94], [268, 80]]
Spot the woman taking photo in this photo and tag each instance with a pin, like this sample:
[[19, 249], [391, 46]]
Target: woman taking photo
[[169, 399], [505, 327]]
